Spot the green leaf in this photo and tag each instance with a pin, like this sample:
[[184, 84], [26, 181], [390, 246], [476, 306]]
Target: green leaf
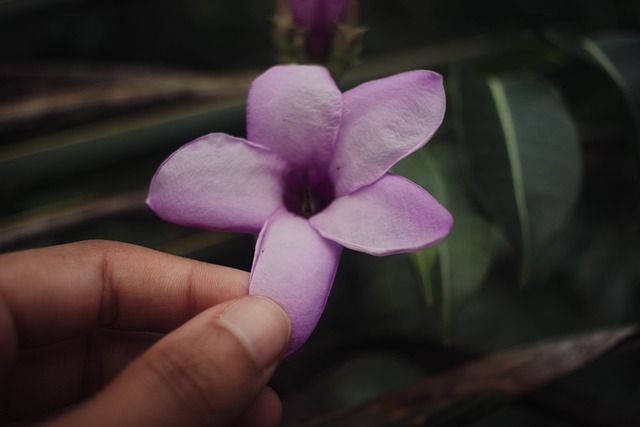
[[617, 54], [454, 268], [521, 155]]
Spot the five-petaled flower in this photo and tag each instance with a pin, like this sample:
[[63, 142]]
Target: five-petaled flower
[[312, 177]]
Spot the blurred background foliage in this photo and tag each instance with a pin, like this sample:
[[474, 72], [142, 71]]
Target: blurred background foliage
[[537, 160]]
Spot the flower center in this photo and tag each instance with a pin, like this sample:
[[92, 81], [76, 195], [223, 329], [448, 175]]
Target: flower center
[[307, 192]]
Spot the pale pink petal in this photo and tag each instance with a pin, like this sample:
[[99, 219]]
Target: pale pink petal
[[295, 111], [389, 216], [382, 122], [220, 183], [295, 267]]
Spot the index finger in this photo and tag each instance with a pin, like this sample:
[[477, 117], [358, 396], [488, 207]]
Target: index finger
[[68, 290]]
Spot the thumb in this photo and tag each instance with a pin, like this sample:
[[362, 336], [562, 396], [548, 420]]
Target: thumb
[[207, 372]]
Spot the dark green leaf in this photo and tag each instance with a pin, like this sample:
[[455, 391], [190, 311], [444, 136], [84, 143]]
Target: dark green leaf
[[520, 151], [454, 268], [617, 55]]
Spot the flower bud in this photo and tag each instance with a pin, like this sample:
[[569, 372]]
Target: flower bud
[[318, 31], [319, 20]]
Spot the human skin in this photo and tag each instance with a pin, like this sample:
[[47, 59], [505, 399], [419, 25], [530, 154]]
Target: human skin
[[105, 333]]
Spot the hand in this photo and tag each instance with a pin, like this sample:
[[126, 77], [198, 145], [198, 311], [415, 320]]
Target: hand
[[81, 325]]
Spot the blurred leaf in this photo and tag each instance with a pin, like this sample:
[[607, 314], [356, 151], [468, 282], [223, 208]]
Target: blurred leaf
[[520, 152], [109, 141], [455, 397], [425, 261], [435, 55], [617, 54], [464, 257], [40, 96], [30, 224], [362, 377]]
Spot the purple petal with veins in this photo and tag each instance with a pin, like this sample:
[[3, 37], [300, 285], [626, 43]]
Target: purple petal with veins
[[312, 177]]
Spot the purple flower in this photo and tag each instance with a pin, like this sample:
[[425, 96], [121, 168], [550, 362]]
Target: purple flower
[[312, 177], [319, 19]]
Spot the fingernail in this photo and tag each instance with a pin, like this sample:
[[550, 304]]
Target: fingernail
[[261, 325]]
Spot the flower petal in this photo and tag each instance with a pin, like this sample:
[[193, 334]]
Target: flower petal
[[218, 182], [295, 111], [295, 267], [383, 121], [390, 216]]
